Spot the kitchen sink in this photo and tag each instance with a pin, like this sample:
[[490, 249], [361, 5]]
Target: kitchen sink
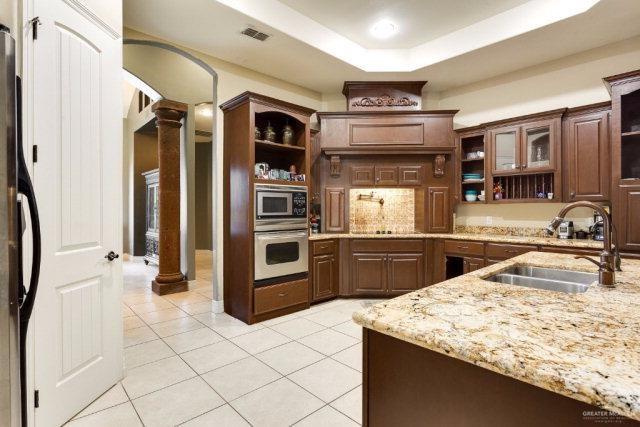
[[567, 281]]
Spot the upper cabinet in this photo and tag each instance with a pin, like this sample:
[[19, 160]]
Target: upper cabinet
[[531, 147], [587, 153]]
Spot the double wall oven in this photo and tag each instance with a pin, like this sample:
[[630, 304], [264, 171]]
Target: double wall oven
[[280, 231]]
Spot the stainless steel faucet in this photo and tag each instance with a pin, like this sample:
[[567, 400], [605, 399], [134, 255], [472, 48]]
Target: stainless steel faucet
[[609, 257]]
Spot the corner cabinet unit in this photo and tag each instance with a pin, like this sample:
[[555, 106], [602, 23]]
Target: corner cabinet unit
[[243, 149], [152, 218], [587, 153], [625, 157], [397, 131]]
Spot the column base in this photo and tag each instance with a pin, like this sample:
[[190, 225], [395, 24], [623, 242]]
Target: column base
[[169, 288]]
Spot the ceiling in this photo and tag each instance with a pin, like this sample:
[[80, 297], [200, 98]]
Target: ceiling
[[418, 21], [310, 50]]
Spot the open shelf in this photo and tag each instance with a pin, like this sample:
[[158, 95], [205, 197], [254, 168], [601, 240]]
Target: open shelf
[[279, 182], [631, 133], [275, 146], [469, 144]]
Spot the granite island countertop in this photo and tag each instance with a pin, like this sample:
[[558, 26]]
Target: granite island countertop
[[496, 238], [584, 346]]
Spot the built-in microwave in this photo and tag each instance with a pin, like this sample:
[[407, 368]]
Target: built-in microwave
[[280, 207]]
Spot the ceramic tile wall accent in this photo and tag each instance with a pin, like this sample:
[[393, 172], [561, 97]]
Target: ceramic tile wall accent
[[397, 214]]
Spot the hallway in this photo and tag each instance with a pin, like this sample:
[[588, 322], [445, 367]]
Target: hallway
[[187, 366]]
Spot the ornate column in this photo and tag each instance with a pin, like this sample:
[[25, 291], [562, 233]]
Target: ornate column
[[169, 279]]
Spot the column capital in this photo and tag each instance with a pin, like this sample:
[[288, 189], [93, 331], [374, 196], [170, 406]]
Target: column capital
[[169, 112]]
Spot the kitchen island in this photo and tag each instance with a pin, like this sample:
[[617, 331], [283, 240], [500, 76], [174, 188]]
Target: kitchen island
[[472, 352]]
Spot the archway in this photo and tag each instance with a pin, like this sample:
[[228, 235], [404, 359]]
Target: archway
[[180, 76]]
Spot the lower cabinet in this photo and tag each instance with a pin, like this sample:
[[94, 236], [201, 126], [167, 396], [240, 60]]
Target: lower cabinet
[[369, 274], [324, 272], [387, 267], [406, 272], [472, 264]]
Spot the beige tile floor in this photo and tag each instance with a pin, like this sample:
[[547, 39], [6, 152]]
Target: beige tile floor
[[185, 365]]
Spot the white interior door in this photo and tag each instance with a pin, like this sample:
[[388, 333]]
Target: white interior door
[[77, 127]]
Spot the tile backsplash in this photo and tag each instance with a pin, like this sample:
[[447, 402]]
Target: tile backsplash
[[368, 215]]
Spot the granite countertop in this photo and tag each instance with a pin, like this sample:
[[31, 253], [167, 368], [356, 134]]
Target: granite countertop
[[498, 238], [584, 346]]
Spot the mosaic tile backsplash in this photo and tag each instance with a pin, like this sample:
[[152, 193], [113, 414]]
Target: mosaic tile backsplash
[[368, 215]]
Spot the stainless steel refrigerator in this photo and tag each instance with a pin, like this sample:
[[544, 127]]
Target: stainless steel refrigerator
[[16, 300]]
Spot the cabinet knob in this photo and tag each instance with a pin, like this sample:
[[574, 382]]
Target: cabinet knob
[[524, 166], [573, 194], [112, 256], [282, 294]]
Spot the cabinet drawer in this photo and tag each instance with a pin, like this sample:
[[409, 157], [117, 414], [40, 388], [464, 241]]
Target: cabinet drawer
[[463, 248], [387, 245], [275, 297], [323, 247], [499, 251]]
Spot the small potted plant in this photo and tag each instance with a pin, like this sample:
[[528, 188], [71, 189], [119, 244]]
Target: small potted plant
[[497, 191]]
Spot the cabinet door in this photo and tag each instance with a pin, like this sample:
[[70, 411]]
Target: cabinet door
[[386, 175], [325, 277], [334, 209], [587, 157], [406, 272], [505, 150], [362, 175], [627, 222], [539, 146], [369, 273], [410, 175], [472, 264], [438, 210]]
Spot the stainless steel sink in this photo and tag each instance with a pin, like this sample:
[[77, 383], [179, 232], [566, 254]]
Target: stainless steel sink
[[570, 282]]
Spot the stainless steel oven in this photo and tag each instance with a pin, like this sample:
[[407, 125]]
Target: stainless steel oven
[[280, 253], [280, 207]]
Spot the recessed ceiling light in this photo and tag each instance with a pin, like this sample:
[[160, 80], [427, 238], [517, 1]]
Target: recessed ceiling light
[[384, 29]]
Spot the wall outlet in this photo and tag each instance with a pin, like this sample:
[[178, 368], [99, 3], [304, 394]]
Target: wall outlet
[[489, 220]]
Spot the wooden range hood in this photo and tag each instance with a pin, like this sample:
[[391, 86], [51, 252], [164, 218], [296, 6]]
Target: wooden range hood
[[386, 118]]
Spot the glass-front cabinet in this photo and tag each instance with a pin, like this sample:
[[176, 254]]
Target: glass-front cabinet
[[152, 217], [506, 150], [528, 148]]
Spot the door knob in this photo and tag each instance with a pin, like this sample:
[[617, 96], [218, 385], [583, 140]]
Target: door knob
[[111, 256]]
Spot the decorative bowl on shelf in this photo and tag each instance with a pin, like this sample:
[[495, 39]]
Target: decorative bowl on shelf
[[471, 176], [481, 197], [471, 197]]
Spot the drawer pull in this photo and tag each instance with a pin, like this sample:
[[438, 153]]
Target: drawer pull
[[463, 247], [282, 294], [510, 251]]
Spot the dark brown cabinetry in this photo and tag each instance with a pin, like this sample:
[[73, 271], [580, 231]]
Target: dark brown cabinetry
[[410, 175], [625, 157], [470, 264], [387, 130], [324, 269], [406, 272], [587, 153], [386, 175], [439, 212], [369, 273], [242, 299], [363, 175], [387, 267], [334, 199]]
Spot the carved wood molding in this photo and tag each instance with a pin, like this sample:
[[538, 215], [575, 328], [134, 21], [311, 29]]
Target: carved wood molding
[[438, 166], [384, 101], [335, 167]]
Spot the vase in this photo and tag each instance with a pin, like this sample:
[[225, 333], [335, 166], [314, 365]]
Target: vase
[[287, 134], [270, 133]]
